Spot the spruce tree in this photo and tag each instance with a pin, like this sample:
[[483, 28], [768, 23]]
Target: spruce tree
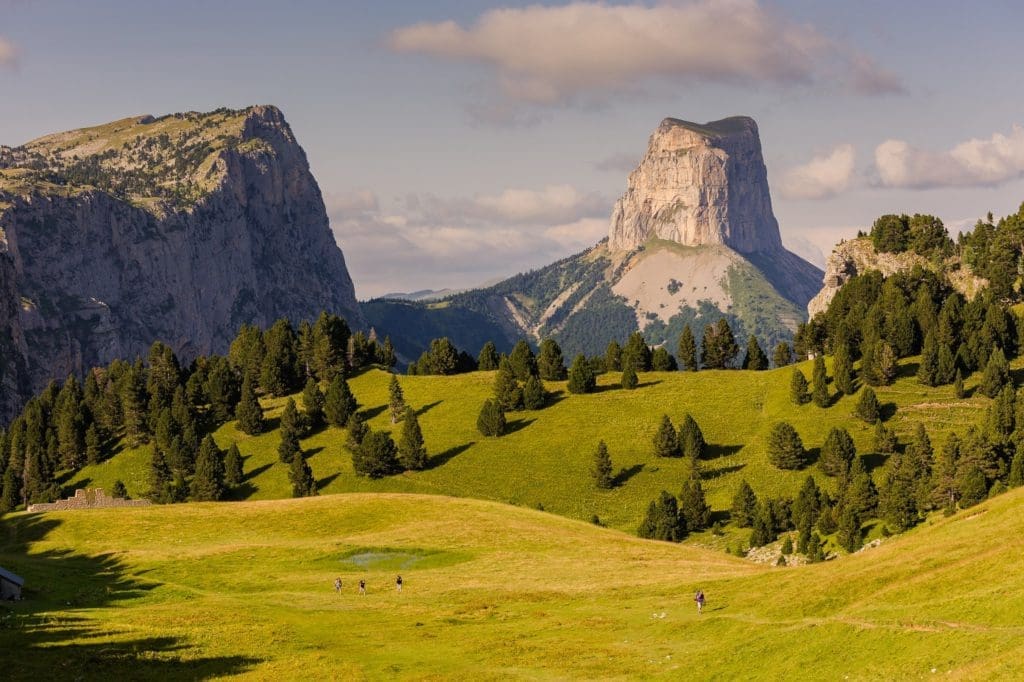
[[248, 411], [971, 484], [744, 505], [9, 498], [638, 352], [581, 376], [534, 394], [842, 369], [662, 361], [867, 406], [755, 358], [507, 393], [550, 363], [798, 392], [928, 368], [357, 430], [233, 467], [837, 453], [687, 351], [693, 506], [662, 521], [884, 440], [159, 478], [491, 420], [300, 474], [785, 449], [487, 360], [947, 366], [290, 432], [819, 383], [629, 379], [412, 455], [782, 355], [958, 385], [718, 347], [691, 438], [92, 445], [396, 399], [279, 373], [208, 481], [339, 403], [313, 404], [849, 533], [523, 362], [997, 374], [119, 491], [601, 470], [376, 456], [666, 440], [787, 548], [613, 357], [762, 531], [885, 364], [943, 476], [860, 492]]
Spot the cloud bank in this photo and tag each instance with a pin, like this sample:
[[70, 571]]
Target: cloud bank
[[974, 163], [822, 177], [585, 51]]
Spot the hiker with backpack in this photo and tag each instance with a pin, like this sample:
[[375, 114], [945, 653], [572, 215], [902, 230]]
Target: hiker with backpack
[[699, 598]]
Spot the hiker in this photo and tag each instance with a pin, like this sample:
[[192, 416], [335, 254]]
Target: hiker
[[699, 598], [362, 587], [337, 584], [398, 583]]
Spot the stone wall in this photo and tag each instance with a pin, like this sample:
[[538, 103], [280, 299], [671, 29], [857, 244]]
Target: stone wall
[[87, 498]]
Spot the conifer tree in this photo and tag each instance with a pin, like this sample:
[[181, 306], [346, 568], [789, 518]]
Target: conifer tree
[[687, 351], [997, 374], [487, 360], [691, 438], [693, 506], [248, 411], [357, 430], [376, 456], [885, 440], [971, 484], [666, 440], [943, 476], [222, 389], [412, 455], [313, 404], [339, 403], [396, 399], [629, 379], [787, 549], [534, 394], [233, 467], [662, 361], [132, 392], [785, 449], [662, 520], [523, 362], [9, 491], [762, 528], [159, 479], [119, 491], [92, 445], [798, 392], [819, 383], [849, 533], [928, 369], [638, 352], [958, 385], [744, 505], [842, 369], [279, 372], [755, 358], [290, 432], [837, 453], [859, 490], [300, 474], [330, 337], [491, 421], [507, 393], [550, 363], [601, 470], [208, 481], [947, 369], [581, 376], [867, 406], [1016, 476], [782, 355], [718, 347], [613, 357]]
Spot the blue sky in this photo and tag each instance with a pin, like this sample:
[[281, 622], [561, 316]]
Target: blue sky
[[458, 142]]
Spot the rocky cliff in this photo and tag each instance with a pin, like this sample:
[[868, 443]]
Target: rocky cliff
[[180, 228]]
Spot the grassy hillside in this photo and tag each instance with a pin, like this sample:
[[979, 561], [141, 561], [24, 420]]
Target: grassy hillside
[[546, 459], [491, 592]]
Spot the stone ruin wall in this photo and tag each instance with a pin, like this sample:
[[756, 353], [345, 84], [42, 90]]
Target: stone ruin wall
[[87, 498]]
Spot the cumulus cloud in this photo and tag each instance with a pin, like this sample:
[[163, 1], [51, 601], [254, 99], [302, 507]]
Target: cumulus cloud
[[623, 162], [974, 163], [8, 53], [583, 51], [823, 176], [423, 241]]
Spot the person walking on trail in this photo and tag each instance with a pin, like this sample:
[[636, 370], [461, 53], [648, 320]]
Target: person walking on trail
[[362, 587], [398, 583], [699, 598], [337, 584]]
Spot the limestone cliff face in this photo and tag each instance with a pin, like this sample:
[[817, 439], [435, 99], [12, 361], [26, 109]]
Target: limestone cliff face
[[696, 185], [100, 271]]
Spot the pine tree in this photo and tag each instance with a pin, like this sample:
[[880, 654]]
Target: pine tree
[[92, 445], [718, 347], [629, 379], [662, 520], [943, 477], [798, 392], [487, 360], [928, 369], [971, 484], [859, 491], [819, 383], [159, 479], [947, 366], [279, 372], [885, 440], [331, 335], [1016, 476], [581, 376], [837, 453], [638, 352], [958, 385], [785, 449], [867, 406], [782, 355], [208, 481], [787, 548], [412, 454], [300, 474], [396, 399], [376, 456], [693, 506], [290, 432], [744, 505], [491, 421], [815, 549], [691, 438], [9, 491], [119, 491], [602, 467], [687, 351], [222, 389], [534, 394], [849, 534], [523, 362], [662, 361], [233, 467], [666, 440], [507, 393], [755, 358], [842, 369], [997, 374], [248, 411], [313, 404], [339, 403], [613, 357], [550, 363], [762, 528], [357, 430]]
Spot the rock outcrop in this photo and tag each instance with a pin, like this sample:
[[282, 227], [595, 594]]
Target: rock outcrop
[[179, 229]]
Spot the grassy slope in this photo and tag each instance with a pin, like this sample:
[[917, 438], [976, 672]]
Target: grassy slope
[[547, 458], [492, 592]]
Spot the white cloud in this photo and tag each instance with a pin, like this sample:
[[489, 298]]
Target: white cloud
[[622, 163], [583, 51], [8, 53], [974, 163], [823, 176]]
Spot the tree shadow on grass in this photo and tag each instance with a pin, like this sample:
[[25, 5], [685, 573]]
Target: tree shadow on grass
[[313, 451], [371, 412], [715, 451], [907, 369], [442, 458], [428, 407], [249, 475], [518, 425], [711, 474], [886, 411], [811, 457], [50, 645], [873, 460], [327, 480], [651, 382], [626, 473]]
